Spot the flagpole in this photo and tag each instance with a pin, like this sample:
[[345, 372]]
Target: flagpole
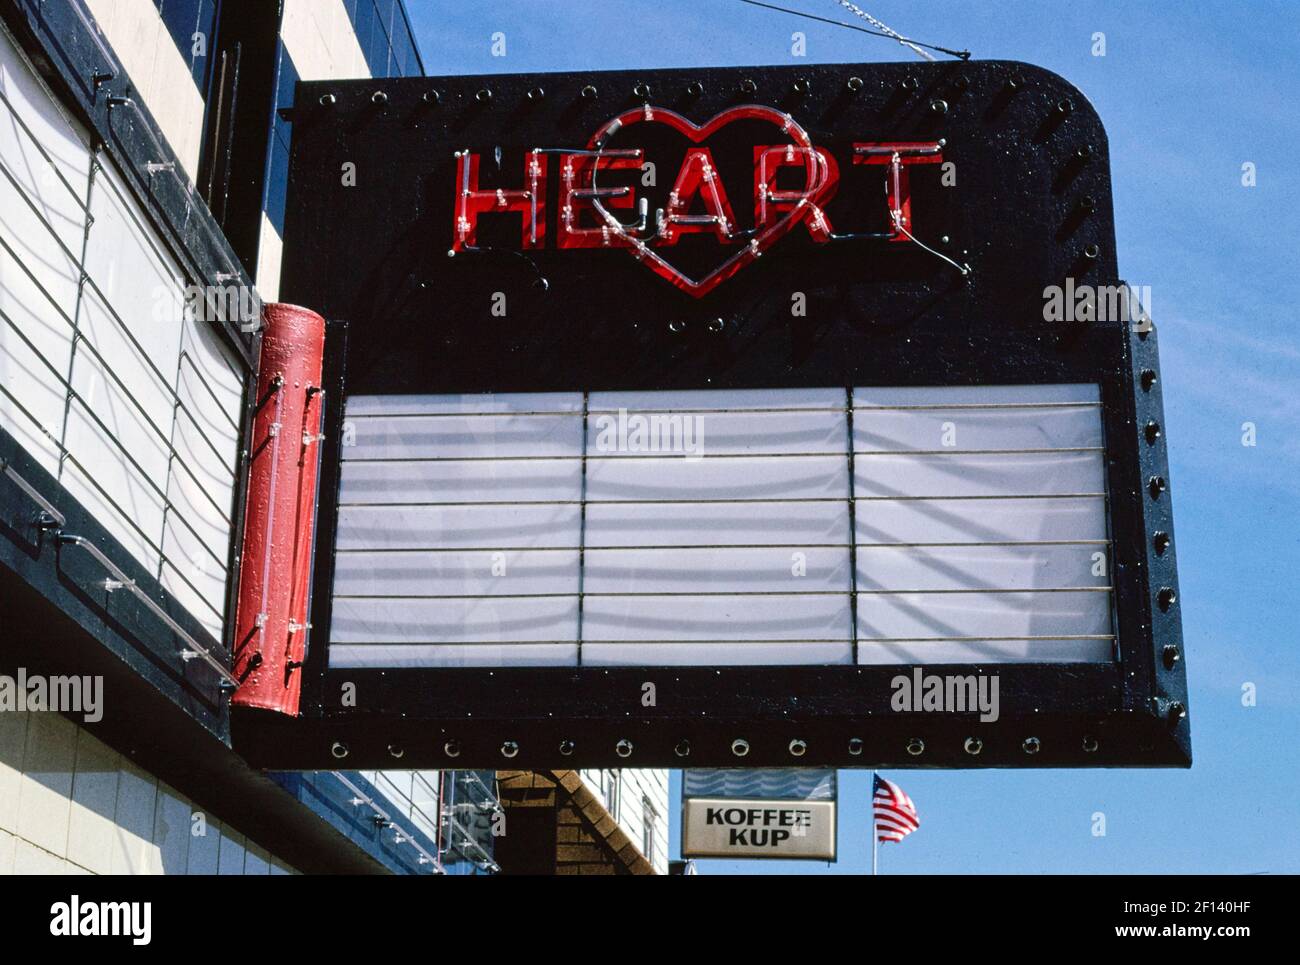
[[875, 838]]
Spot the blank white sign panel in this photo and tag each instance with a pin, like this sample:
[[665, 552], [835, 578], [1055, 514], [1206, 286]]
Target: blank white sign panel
[[713, 528]]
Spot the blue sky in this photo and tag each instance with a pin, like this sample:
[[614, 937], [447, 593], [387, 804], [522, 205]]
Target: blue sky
[[1188, 92]]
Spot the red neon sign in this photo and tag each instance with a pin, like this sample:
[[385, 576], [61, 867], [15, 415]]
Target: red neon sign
[[697, 184]]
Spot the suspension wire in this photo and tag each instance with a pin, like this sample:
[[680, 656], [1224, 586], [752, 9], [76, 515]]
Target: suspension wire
[[858, 12], [914, 44]]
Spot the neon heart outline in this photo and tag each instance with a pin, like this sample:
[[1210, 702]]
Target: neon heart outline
[[809, 207]]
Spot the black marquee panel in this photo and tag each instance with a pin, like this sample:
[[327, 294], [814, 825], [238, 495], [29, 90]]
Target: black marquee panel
[[372, 214]]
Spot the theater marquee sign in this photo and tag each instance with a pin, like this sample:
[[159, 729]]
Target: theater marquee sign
[[672, 417]]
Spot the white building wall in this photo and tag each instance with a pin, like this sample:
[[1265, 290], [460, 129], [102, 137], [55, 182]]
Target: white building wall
[[137, 34], [641, 793], [69, 804], [318, 36]]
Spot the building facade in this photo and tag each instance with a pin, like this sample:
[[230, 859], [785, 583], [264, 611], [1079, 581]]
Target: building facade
[[144, 152]]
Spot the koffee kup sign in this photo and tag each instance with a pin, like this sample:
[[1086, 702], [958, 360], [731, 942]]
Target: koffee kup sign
[[779, 813]]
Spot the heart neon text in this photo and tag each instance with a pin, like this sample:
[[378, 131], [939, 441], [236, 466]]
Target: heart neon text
[[609, 212]]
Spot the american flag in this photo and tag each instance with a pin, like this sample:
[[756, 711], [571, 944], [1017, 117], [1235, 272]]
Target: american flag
[[895, 814]]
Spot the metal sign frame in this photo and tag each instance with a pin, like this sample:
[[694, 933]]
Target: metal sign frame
[[1031, 208]]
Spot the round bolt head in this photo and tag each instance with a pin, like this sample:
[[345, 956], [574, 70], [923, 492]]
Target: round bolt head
[[451, 748], [589, 92], [1032, 745], [509, 749], [855, 746], [916, 747], [1171, 656], [396, 751], [1090, 745], [683, 748], [973, 745], [747, 86], [740, 747], [798, 747], [339, 750], [854, 84], [623, 748], [566, 748]]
